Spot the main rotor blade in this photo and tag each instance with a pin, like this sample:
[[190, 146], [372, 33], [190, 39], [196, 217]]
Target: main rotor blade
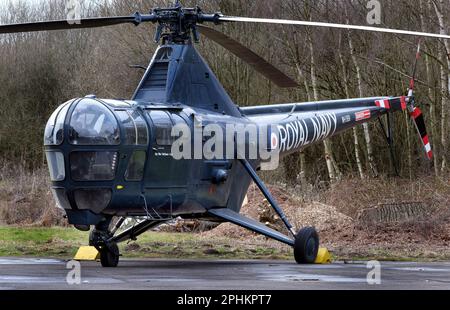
[[329, 25], [70, 24], [257, 62]]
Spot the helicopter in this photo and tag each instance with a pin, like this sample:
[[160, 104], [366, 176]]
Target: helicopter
[[111, 159]]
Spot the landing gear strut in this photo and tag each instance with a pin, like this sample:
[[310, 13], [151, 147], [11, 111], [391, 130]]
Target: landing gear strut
[[306, 241]]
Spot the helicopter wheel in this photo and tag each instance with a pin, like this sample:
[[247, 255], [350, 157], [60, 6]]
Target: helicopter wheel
[[109, 251], [109, 255], [306, 246]]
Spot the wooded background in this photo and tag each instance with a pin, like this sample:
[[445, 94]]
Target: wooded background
[[39, 71]]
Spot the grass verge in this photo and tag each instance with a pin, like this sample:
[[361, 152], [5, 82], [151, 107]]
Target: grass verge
[[58, 242], [63, 243]]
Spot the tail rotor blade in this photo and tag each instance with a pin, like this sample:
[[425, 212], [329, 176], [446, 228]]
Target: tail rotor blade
[[414, 70], [419, 121], [415, 112]]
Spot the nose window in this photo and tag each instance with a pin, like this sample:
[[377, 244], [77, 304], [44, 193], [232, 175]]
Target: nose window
[[93, 124], [55, 161], [93, 166]]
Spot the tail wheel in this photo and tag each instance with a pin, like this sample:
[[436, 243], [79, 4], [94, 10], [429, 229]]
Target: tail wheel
[[306, 246], [109, 256]]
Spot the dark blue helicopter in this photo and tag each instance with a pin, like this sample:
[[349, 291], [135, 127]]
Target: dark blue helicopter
[[116, 158]]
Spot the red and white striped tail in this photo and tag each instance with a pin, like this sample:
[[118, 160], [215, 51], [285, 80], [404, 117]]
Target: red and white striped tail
[[383, 104]]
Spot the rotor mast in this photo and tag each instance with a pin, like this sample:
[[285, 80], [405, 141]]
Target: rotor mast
[[179, 25]]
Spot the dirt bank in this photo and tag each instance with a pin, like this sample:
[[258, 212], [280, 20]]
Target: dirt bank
[[384, 219]]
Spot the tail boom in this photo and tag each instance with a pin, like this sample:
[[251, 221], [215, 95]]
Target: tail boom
[[302, 124]]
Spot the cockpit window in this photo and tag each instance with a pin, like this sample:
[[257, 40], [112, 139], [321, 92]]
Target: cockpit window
[[93, 124], [135, 127], [135, 170], [163, 127], [54, 131], [116, 103]]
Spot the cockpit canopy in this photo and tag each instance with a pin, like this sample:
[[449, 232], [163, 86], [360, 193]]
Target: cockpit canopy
[[92, 123], [82, 139]]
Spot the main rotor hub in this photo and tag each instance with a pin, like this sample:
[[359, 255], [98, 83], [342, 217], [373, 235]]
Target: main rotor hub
[[178, 24]]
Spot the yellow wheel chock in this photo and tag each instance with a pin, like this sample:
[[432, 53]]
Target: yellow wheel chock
[[87, 253], [323, 256]]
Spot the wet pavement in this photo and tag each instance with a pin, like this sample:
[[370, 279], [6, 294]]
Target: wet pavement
[[24, 273]]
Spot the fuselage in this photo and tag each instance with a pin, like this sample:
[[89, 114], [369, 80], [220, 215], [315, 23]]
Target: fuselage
[[117, 157]]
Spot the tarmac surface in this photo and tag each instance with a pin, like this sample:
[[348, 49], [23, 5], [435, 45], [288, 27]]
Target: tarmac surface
[[43, 274]]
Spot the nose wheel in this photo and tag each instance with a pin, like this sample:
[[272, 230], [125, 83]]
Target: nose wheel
[[306, 246], [108, 249], [109, 255], [105, 240]]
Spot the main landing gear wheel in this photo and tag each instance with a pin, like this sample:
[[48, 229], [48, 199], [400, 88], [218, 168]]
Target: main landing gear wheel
[[109, 255], [306, 246]]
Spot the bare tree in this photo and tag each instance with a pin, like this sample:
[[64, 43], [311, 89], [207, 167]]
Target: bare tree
[[347, 94], [444, 56]]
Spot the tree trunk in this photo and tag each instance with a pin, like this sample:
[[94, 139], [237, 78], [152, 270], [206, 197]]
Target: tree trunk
[[332, 173], [445, 80], [302, 174], [355, 129], [443, 113], [408, 139], [365, 125], [434, 134]]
